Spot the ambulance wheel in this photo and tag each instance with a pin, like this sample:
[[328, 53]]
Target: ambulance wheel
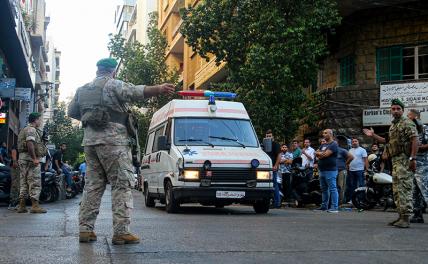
[[148, 200], [171, 204], [261, 207]]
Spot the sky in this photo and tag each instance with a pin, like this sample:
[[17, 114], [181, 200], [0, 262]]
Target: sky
[[79, 29]]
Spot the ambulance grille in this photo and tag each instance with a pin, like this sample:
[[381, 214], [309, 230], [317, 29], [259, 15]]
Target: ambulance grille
[[228, 175]]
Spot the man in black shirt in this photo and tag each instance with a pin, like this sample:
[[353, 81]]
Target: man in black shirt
[[58, 165], [273, 154]]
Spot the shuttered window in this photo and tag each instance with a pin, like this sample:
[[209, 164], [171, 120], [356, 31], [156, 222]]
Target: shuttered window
[[389, 64], [347, 70]]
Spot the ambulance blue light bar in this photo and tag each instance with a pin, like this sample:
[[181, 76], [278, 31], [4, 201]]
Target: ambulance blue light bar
[[202, 93]]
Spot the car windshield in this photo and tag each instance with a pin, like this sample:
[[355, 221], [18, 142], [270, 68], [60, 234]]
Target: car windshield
[[216, 131]]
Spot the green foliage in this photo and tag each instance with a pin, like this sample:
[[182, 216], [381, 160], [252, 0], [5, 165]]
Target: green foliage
[[61, 131], [144, 64], [271, 48]]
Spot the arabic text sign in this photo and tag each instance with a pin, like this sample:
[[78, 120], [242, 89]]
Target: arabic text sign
[[23, 94], [383, 117], [7, 87], [411, 94]]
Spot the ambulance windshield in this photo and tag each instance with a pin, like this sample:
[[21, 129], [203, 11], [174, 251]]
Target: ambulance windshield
[[216, 131]]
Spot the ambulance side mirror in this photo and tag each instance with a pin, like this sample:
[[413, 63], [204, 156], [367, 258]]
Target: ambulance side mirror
[[163, 143], [267, 144]]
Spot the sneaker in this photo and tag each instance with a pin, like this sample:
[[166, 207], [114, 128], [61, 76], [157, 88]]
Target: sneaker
[[333, 211], [320, 209], [12, 207]]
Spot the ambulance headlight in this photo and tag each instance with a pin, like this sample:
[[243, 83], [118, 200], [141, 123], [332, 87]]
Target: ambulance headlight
[[263, 175], [191, 175]]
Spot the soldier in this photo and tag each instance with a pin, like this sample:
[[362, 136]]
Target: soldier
[[421, 174], [402, 148], [103, 108], [31, 149]]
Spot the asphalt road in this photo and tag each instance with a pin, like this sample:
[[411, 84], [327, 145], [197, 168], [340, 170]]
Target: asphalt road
[[199, 234]]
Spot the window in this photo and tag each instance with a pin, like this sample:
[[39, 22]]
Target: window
[[347, 70], [159, 132], [402, 63], [149, 145]]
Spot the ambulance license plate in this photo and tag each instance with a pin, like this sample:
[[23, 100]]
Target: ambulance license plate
[[230, 194]]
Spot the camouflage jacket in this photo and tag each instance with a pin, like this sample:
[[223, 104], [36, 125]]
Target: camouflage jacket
[[30, 133], [117, 95], [401, 133]]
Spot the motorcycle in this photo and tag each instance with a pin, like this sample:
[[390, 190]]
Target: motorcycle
[[5, 183], [378, 190], [50, 187], [78, 181], [304, 190]]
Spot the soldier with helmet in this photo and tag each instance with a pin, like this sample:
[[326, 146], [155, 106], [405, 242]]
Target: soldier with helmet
[[401, 147], [103, 107]]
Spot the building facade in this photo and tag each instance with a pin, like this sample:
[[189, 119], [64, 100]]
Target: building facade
[[380, 51], [53, 82], [195, 72]]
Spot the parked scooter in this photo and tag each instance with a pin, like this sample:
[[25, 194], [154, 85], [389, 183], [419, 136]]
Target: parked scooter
[[304, 189], [378, 190], [5, 183], [50, 187]]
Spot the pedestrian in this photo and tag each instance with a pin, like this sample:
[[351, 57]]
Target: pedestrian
[[31, 149], [295, 149], [357, 169], [344, 158], [103, 107], [82, 169], [421, 175], [327, 169], [402, 147], [308, 158], [60, 166], [283, 163], [273, 154], [14, 175]]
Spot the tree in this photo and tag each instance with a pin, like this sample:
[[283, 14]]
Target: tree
[[61, 130], [144, 64], [271, 48]]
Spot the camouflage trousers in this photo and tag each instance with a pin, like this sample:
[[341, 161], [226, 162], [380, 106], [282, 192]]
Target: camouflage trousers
[[14, 187], [113, 164], [30, 180], [402, 184], [420, 183]]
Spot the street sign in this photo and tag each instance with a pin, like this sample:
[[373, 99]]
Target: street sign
[[383, 117], [23, 94], [7, 87], [411, 94]]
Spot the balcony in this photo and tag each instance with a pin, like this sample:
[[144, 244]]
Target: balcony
[[210, 72], [177, 43], [175, 8]]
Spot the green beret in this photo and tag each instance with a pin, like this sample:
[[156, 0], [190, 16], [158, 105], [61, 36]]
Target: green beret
[[108, 63], [397, 102], [34, 116]]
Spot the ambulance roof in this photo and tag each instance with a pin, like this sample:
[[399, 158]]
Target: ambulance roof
[[198, 108]]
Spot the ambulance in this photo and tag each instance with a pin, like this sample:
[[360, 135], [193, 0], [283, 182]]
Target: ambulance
[[207, 152]]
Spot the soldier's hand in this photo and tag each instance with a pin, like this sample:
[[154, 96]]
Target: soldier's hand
[[412, 165], [166, 88], [36, 162], [368, 132]]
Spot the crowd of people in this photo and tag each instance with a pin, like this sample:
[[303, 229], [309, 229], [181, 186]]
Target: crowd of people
[[342, 165]]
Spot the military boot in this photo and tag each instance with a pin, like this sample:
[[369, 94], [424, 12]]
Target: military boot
[[21, 206], [404, 222], [35, 208], [417, 217], [395, 221], [125, 239], [87, 236]]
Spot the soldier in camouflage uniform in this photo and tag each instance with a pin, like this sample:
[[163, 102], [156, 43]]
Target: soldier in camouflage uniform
[[421, 175], [402, 147], [103, 108], [31, 149]]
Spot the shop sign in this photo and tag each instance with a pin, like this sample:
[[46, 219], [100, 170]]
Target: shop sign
[[383, 117], [2, 118], [7, 87], [411, 94], [23, 94]]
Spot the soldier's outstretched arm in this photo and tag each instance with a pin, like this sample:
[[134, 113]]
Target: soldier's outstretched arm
[[134, 93]]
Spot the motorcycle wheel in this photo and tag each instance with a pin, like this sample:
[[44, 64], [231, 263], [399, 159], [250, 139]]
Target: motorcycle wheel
[[43, 195], [361, 200], [53, 196]]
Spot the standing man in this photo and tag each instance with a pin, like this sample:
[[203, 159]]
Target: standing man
[[308, 158], [103, 108], [31, 149], [327, 168], [421, 174], [295, 149], [402, 148], [14, 174], [344, 158], [357, 167], [273, 154], [59, 166]]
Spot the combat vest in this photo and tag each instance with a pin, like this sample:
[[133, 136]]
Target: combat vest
[[399, 141], [39, 147], [94, 111]]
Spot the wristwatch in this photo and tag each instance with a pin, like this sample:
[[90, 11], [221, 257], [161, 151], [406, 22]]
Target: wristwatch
[[412, 158]]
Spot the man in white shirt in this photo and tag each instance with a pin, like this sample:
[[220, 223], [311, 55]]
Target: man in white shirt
[[357, 167], [308, 156]]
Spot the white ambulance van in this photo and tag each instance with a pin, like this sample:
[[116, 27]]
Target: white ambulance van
[[207, 152]]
